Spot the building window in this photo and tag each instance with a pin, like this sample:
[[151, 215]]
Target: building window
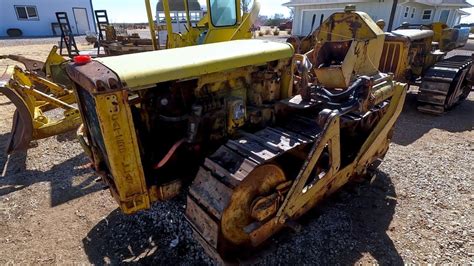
[[405, 14], [413, 11], [182, 16], [195, 16], [26, 13], [161, 18], [173, 17], [427, 14], [443, 16]]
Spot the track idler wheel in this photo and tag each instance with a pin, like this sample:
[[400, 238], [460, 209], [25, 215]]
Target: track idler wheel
[[253, 200]]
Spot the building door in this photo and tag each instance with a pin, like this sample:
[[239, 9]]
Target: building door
[[319, 16], [443, 16], [82, 21]]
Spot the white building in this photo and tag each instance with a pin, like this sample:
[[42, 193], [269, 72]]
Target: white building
[[411, 11], [38, 17]]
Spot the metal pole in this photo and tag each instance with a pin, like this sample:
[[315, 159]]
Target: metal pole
[[151, 24], [169, 26], [188, 18], [239, 15], [392, 15]]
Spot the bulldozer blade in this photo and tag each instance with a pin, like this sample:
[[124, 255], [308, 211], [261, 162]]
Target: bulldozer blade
[[22, 128], [30, 64]]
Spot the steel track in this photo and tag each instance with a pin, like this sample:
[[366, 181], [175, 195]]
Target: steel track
[[445, 85]]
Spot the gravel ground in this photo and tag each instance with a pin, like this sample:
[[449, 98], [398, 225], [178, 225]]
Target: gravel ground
[[418, 209]]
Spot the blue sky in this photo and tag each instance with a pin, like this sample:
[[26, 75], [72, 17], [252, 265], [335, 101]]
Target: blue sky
[[134, 10]]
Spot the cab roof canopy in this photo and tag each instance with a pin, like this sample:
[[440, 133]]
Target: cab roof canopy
[[178, 5]]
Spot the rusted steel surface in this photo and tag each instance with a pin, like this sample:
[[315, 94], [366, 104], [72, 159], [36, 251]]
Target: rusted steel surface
[[202, 223], [210, 193], [264, 207], [165, 191], [300, 160], [213, 197], [94, 77], [22, 128], [246, 211], [395, 59], [30, 64]]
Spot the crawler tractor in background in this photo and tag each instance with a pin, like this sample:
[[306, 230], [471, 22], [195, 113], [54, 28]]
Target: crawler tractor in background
[[260, 134], [416, 54]]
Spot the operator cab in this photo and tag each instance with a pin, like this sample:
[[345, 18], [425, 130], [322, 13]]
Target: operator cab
[[221, 20], [223, 13]]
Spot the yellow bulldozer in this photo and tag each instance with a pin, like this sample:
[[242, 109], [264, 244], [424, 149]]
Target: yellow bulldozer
[[260, 133], [227, 23], [40, 89], [416, 54]]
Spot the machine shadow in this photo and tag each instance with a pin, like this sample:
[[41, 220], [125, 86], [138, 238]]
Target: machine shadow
[[68, 136], [351, 223], [412, 124], [69, 180], [156, 236]]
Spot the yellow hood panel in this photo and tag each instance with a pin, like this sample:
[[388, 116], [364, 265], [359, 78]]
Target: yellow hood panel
[[144, 69]]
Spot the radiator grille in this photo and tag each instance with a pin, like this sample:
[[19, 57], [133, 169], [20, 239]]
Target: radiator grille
[[390, 60], [91, 120]]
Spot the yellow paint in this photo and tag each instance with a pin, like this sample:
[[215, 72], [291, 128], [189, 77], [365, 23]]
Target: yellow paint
[[438, 28], [123, 157], [151, 24], [396, 65], [53, 59], [300, 199], [212, 34], [37, 103], [148, 68], [366, 41]]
